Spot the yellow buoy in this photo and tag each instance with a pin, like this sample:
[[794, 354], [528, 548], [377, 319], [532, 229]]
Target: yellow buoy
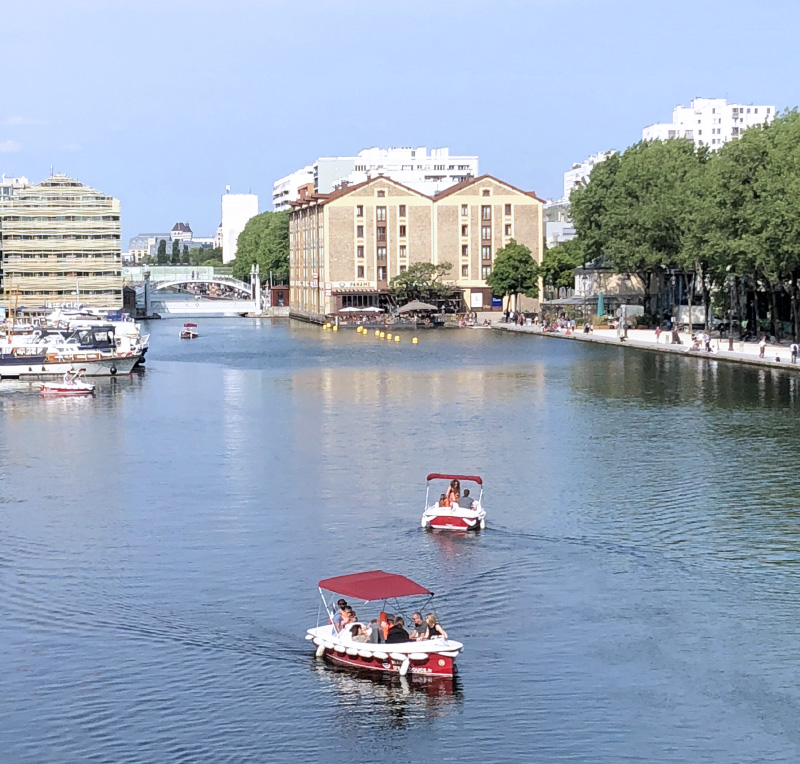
[[382, 335], [335, 328], [377, 332], [414, 341], [359, 328], [389, 336], [397, 338]]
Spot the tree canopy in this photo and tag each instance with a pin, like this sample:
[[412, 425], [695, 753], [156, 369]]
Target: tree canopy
[[421, 281], [514, 272], [559, 263], [264, 241]]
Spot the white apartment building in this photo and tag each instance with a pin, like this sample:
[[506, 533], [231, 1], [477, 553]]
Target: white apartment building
[[580, 171], [9, 186], [710, 122], [237, 209], [428, 173]]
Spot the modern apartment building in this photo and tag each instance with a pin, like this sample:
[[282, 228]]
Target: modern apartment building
[[347, 245], [428, 173], [60, 245], [10, 186], [710, 122], [237, 209]]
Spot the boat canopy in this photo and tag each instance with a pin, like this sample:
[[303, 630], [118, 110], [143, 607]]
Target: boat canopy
[[373, 585], [438, 476]]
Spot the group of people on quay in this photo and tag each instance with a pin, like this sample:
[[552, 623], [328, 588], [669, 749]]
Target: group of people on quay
[[391, 629]]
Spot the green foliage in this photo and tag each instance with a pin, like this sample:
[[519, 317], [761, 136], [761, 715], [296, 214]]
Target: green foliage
[[161, 257], [176, 252], [264, 241], [421, 281], [199, 255], [514, 272], [559, 263]]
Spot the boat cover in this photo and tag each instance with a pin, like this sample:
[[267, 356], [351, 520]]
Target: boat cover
[[438, 476], [373, 585]]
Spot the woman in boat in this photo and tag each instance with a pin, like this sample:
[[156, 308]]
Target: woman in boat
[[434, 629], [454, 493]]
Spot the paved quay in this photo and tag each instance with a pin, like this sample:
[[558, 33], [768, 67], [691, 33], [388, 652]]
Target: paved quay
[[645, 339]]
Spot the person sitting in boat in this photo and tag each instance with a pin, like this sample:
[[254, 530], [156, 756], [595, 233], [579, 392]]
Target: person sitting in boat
[[348, 617], [434, 629], [397, 633], [466, 502], [339, 614], [420, 627], [357, 633], [454, 493], [375, 633], [443, 500]]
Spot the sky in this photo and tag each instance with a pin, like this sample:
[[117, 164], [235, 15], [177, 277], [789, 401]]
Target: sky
[[162, 103]]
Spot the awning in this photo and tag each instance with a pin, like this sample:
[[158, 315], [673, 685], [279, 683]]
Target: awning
[[416, 305], [373, 585], [470, 478]]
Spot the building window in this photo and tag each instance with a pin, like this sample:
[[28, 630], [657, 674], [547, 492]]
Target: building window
[[402, 211], [381, 233], [359, 210], [464, 210], [465, 230], [402, 230], [381, 194], [465, 250], [381, 273], [465, 270], [508, 209], [508, 229], [403, 268], [403, 251], [380, 213], [486, 212], [360, 231], [485, 271], [486, 232], [360, 272], [486, 253], [360, 250], [486, 192], [381, 253]]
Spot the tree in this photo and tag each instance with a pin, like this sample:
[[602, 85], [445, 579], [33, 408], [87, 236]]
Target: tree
[[161, 256], [514, 272], [421, 281], [264, 241], [559, 263], [176, 252]]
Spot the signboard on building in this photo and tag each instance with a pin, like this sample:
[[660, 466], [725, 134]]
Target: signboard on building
[[476, 299], [327, 290], [314, 280]]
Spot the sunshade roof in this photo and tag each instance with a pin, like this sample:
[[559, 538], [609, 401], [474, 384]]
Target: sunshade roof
[[373, 585], [439, 476]]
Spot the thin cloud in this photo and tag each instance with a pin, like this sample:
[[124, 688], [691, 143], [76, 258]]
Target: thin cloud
[[9, 147], [72, 147], [17, 121]]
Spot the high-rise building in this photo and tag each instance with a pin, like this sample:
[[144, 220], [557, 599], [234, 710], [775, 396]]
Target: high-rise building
[[346, 246], [237, 209], [710, 122], [9, 186], [428, 173], [60, 245]]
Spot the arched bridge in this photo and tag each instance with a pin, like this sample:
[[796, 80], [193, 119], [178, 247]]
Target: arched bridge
[[240, 288]]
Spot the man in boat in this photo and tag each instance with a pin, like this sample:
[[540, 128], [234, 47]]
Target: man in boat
[[420, 627], [337, 618], [466, 502], [397, 633]]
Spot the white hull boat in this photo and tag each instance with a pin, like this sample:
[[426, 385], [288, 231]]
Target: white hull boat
[[466, 515], [72, 385]]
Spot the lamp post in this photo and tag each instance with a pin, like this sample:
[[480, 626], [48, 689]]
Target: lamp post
[[732, 280]]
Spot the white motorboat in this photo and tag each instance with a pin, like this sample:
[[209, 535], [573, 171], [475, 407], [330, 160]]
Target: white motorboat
[[73, 384], [465, 514], [189, 332], [427, 657]]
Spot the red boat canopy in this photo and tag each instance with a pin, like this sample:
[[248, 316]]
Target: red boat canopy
[[473, 478], [373, 585]]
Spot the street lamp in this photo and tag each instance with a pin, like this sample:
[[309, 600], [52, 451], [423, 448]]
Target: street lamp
[[732, 280]]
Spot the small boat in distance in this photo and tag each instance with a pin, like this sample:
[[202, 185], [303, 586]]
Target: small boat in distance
[[189, 332], [463, 515], [73, 384], [345, 646]]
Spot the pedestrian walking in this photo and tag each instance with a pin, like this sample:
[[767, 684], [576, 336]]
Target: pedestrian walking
[[795, 348], [658, 334], [762, 346]]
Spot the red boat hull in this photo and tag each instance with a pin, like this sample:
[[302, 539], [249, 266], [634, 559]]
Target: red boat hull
[[434, 665], [447, 522]]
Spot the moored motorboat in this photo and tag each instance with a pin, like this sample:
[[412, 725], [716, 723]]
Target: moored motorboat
[[73, 384], [189, 332], [466, 513], [426, 657]]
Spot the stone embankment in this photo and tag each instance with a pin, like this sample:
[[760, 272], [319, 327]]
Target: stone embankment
[[645, 339]]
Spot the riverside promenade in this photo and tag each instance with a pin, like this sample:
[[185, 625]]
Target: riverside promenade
[[645, 339]]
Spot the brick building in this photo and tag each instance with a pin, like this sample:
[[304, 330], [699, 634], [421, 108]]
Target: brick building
[[346, 246]]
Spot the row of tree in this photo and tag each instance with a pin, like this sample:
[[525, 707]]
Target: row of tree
[[183, 255], [727, 223]]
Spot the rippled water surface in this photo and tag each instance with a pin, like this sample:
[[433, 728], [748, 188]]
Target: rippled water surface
[[636, 596]]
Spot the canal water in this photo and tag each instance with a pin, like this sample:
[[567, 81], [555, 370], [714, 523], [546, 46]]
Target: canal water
[[636, 596]]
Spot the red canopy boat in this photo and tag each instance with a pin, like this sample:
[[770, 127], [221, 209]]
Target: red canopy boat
[[345, 646], [467, 513]]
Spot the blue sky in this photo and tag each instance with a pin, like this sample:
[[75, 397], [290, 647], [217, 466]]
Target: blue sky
[[161, 103]]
